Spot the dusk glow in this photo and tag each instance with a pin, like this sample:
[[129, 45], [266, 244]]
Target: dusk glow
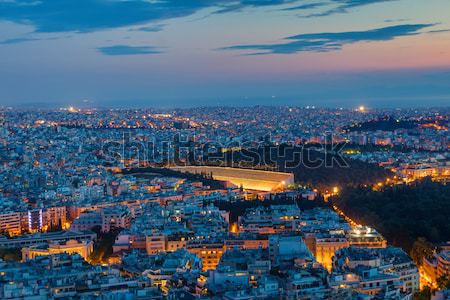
[[228, 52]]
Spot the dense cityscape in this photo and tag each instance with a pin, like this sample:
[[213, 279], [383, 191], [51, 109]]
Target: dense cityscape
[[214, 203], [224, 149]]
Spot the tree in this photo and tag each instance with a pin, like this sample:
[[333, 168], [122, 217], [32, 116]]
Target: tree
[[103, 246], [443, 282], [402, 213], [424, 294], [421, 249], [11, 254]]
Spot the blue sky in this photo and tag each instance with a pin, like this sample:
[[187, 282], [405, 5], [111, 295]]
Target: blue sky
[[169, 53]]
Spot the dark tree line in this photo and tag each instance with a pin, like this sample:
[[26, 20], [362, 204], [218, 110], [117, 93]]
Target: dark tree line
[[384, 124], [409, 216], [318, 166]]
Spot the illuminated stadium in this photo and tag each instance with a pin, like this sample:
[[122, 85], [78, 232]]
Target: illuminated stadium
[[249, 179]]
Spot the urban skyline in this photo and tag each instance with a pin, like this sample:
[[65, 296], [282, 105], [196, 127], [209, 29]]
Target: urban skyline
[[225, 203]]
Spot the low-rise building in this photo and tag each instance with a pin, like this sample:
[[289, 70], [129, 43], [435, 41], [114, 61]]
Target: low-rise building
[[10, 223], [443, 264], [39, 238], [270, 220], [87, 221], [285, 249], [377, 268], [209, 251], [365, 237], [325, 247], [83, 248], [115, 217]]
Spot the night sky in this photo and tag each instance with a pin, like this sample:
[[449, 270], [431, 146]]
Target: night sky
[[180, 53]]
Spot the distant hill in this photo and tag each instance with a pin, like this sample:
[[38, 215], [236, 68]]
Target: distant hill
[[383, 124]]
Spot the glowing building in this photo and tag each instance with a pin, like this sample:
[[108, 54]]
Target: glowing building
[[248, 179], [83, 248], [365, 237]]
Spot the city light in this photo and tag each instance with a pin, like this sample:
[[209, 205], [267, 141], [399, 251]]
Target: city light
[[224, 149], [197, 217], [72, 109]]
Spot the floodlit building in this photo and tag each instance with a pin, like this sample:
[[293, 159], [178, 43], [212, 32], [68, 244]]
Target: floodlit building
[[325, 248], [365, 237], [155, 244], [247, 178], [49, 237], [83, 248], [209, 251], [55, 217]]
